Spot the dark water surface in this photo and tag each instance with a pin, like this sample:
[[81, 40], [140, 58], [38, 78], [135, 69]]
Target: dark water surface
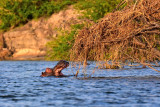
[[22, 86]]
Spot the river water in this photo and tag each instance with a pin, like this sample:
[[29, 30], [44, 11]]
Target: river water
[[22, 86]]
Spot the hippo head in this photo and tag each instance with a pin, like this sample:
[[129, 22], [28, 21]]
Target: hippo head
[[59, 67], [48, 72], [56, 71]]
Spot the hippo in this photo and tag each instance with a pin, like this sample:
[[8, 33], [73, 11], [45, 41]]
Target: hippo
[[56, 71]]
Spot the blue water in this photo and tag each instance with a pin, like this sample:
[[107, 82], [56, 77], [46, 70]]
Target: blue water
[[22, 86]]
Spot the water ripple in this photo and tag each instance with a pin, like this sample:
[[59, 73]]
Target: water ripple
[[21, 85]]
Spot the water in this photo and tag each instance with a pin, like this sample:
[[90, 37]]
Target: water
[[22, 86]]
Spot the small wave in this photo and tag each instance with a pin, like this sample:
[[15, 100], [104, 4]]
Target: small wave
[[122, 77]]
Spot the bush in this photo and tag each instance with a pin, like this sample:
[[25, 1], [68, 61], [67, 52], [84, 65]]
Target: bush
[[96, 9], [16, 12], [60, 47], [130, 35]]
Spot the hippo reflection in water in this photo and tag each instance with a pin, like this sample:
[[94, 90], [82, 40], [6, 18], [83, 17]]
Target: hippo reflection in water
[[56, 71]]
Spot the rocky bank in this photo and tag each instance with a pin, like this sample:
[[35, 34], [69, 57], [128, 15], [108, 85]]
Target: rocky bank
[[28, 42]]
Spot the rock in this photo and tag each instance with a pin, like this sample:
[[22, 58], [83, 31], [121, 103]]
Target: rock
[[5, 54], [1, 41], [28, 41]]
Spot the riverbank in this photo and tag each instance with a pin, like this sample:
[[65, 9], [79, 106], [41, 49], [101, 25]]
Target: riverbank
[[130, 34], [26, 34], [29, 41]]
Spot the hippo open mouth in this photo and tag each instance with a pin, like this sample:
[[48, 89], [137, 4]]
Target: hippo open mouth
[[57, 70], [59, 67]]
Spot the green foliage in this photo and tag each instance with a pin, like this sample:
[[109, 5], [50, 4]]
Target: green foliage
[[96, 9], [60, 47], [16, 12]]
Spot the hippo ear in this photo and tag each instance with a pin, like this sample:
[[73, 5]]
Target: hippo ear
[[42, 75]]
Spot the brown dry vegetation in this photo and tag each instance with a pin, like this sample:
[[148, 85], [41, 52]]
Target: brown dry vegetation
[[132, 34]]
